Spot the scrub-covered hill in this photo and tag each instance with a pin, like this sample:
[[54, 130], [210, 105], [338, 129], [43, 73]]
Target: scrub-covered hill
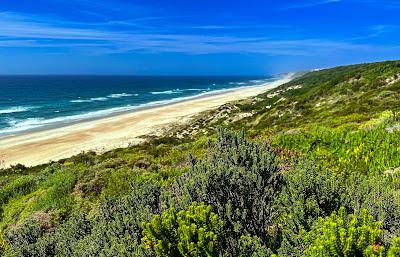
[[313, 169]]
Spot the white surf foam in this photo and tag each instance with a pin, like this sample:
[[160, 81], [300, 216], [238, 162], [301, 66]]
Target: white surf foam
[[20, 125], [167, 92], [15, 109], [93, 99], [16, 125], [178, 91], [121, 95]]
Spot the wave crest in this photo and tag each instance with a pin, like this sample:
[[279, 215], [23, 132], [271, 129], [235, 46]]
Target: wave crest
[[120, 95], [15, 109]]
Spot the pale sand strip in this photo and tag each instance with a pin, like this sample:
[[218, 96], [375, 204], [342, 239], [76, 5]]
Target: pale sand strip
[[112, 132]]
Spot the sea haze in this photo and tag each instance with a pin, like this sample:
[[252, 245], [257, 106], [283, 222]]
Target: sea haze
[[38, 102]]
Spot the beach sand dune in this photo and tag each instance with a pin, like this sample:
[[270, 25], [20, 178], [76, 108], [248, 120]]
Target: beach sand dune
[[108, 133]]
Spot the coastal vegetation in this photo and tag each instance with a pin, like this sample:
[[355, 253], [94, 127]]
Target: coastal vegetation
[[311, 168]]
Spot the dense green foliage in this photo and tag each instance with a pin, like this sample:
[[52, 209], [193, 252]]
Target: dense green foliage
[[240, 179], [344, 235], [323, 146], [187, 233], [344, 150], [395, 248]]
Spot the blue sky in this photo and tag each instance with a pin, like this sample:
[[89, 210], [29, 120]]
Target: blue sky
[[206, 37]]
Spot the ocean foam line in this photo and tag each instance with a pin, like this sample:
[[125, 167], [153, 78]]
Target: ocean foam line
[[20, 125], [204, 93], [80, 101], [198, 89], [93, 99], [15, 109], [167, 92], [121, 95], [35, 123], [178, 91], [17, 125]]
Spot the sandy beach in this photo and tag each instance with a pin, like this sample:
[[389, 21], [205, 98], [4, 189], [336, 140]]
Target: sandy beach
[[117, 131]]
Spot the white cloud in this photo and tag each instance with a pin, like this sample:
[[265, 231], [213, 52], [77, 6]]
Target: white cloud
[[19, 31], [308, 4]]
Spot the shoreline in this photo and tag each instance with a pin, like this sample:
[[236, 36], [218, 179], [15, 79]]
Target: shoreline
[[117, 130], [140, 107]]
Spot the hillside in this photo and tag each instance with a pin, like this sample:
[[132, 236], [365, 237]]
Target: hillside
[[311, 168]]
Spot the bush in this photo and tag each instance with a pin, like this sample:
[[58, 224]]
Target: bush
[[344, 235], [378, 195], [241, 179], [31, 238], [309, 192], [394, 250], [20, 186], [251, 246], [114, 231], [187, 233], [368, 152]]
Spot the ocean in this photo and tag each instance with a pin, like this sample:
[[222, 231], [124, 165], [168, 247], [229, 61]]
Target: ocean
[[30, 103]]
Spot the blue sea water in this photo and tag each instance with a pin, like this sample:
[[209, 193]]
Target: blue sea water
[[38, 102]]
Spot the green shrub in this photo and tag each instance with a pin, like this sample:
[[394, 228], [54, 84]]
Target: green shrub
[[21, 239], [188, 233], [344, 235], [251, 246], [309, 192], [114, 231], [366, 152], [379, 196], [20, 186], [241, 180], [394, 250]]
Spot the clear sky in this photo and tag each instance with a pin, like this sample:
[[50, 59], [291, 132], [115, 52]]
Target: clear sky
[[194, 37]]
